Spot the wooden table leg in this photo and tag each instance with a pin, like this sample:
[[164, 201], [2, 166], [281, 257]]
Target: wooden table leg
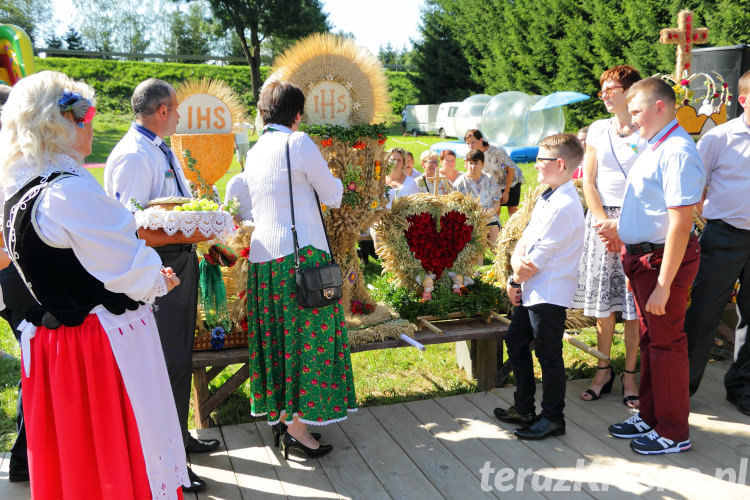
[[200, 391], [486, 363]]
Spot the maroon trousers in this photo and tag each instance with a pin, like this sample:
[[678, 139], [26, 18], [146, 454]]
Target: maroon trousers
[[664, 393]]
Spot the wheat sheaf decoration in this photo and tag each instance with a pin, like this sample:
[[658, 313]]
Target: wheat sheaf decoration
[[344, 83], [216, 88]]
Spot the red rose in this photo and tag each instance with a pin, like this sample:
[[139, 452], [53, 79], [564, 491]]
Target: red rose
[[314, 381], [327, 362]]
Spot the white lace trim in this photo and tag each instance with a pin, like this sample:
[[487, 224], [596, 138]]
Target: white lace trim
[[158, 290], [217, 224], [303, 420]]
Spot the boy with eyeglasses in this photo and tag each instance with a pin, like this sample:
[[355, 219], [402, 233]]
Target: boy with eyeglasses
[[545, 277]]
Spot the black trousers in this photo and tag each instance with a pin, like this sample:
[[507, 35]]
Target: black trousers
[[175, 315], [545, 325], [18, 301], [725, 257]]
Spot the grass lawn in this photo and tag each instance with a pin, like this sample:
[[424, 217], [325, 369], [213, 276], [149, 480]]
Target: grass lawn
[[382, 377]]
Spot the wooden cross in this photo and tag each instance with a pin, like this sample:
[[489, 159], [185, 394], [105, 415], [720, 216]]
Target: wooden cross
[[684, 36], [435, 179]]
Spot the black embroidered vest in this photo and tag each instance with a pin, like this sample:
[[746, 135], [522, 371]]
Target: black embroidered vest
[[65, 291]]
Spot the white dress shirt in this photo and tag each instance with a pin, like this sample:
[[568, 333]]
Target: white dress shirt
[[668, 174], [137, 169], [268, 186], [725, 151], [554, 242], [237, 188]]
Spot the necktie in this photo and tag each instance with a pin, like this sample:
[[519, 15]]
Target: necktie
[[165, 149]]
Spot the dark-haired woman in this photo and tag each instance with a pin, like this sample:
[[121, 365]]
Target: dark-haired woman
[[300, 365], [497, 163]]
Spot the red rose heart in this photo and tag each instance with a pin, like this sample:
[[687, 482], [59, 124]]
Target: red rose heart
[[437, 251]]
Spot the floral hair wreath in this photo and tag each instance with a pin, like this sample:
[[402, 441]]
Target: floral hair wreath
[[76, 107]]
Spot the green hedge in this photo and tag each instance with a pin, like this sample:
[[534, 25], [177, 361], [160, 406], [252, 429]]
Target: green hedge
[[114, 81]]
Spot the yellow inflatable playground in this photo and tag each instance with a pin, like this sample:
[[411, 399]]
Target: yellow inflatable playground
[[16, 54]]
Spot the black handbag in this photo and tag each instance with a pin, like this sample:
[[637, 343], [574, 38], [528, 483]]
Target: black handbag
[[316, 286]]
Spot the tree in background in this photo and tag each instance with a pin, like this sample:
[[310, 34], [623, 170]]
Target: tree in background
[[539, 47], [54, 42], [73, 39], [31, 16], [256, 20], [190, 32], [442, 71]]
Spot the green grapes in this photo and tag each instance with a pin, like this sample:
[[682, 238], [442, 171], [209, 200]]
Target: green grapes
[[198, 205]]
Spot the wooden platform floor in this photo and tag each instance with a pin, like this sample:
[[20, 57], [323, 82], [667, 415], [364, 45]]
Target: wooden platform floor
[[440, 448]]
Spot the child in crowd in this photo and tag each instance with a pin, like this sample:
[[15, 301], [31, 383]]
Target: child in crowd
[[482, 185], [545, 276]]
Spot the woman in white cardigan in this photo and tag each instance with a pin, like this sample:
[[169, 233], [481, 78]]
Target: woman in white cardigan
[[300, 363]]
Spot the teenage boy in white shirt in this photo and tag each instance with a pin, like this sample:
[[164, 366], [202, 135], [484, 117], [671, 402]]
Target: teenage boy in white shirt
[[545, 276]]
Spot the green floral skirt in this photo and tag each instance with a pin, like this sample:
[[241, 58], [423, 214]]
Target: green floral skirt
[[300, 362]]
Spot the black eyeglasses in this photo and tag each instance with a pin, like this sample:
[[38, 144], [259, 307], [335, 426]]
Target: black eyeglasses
[[539, 158]]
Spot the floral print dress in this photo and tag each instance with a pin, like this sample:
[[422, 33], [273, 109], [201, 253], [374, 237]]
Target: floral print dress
[[300, 362]]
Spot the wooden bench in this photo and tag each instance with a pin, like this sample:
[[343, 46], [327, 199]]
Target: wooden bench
[[477, 351]]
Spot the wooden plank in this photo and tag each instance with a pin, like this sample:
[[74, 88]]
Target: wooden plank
[[200, 396], [386, 459], [252, 461], [444, 471], [464, 438], [300, 477], [215, 468], [556, 453], [223, 357], [345, 467], [486, 363], [223, 392], [8, 490], [706, 456]]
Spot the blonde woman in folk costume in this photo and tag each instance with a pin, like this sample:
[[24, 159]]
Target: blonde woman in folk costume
[[612, 147], [97, 404]]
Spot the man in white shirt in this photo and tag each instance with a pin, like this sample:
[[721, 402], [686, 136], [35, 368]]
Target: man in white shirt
[[545, 277], [139, 169], [660, 259], [725, 251]]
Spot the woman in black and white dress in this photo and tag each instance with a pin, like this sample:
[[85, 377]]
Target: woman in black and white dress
[[612, 145]]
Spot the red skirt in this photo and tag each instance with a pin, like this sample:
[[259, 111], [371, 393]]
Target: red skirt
[[83, 438]]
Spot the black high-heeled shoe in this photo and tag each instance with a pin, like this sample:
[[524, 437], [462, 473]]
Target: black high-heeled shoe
[[289, 442], [280, 428], [628, 399], [606, 388]]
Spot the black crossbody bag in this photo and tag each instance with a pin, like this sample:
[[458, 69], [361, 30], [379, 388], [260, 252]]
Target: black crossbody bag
[[316, 286]]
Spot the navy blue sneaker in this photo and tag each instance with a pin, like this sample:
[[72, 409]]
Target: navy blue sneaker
[[654, 444], [631, 428]]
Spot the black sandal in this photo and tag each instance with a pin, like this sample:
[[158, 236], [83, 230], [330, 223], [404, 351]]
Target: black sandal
[[628, 399], [606, 388]]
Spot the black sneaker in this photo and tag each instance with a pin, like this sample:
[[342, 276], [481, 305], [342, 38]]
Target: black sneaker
[[512, 416], [654, 444], [631, 428]]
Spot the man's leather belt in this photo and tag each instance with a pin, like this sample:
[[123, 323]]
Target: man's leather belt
[[643, 247]]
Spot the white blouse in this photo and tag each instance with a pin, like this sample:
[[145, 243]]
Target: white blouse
[[268, 185], [614, 159], [76, 213], [408, 187]]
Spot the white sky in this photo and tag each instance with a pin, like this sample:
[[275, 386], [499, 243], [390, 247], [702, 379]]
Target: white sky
[[374, 23]]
